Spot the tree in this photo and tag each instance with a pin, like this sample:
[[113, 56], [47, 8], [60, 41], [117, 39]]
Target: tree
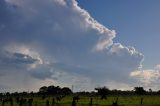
[[66, 91], [43, 89], [103, 92], [53, 90], [150, 90], [139, 90]]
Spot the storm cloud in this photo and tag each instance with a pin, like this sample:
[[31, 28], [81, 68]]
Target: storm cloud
[[56, 41]]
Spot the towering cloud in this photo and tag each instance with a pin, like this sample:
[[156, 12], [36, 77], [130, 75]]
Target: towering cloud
[[56, 41]]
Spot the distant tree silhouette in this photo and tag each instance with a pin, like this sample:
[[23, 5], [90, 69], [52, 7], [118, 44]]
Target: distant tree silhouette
[[66, 91], [43, 90], [139, 90], [103, 92], [150, 90], [54, 90]]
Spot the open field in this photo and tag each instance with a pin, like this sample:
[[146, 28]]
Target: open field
[[96, 101]]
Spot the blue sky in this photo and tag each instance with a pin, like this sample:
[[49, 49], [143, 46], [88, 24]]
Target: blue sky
[[82, 43], [136, 23]]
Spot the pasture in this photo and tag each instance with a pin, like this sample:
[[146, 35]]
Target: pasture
[[133, 100]]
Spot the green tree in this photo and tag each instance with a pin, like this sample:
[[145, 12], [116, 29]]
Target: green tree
[[102, 91], [43, 89], [66, 91], [139, 90]]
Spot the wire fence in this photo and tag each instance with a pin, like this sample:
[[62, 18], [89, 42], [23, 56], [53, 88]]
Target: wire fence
[[47, 103], [66, 104], [85, 102], [55, 104]]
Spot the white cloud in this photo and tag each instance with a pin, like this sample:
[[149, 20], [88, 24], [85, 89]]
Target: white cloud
[[61, 2], [60, 37], [148, 78], [119, 85]]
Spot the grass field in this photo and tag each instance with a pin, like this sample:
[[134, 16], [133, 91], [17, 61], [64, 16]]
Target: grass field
[[85, 101]]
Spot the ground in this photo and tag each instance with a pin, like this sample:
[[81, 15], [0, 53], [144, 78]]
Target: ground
[[148, 100]]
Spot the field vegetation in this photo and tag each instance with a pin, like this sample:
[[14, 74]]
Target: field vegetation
[[56, 96]]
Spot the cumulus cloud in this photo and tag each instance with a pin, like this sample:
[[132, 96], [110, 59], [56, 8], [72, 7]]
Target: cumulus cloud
[[57, 41], [148, 78], [128, 54]]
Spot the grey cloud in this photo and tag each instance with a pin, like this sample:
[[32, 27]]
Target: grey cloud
[[42, 72], [16, 58], [22, 58], [45, 71]]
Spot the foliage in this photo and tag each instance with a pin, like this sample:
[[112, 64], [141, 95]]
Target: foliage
[[139, 90], [54, 90], [43, 89], [102, 90]]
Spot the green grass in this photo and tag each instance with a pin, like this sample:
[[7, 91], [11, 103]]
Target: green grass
[[122, 100]]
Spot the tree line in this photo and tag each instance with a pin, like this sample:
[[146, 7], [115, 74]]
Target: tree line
[[102, 91]]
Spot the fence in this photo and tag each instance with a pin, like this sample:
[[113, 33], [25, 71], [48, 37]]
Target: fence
[[53, 102], [60, 104], [49, 103]]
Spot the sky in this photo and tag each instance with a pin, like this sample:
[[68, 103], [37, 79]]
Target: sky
[[82, 43], [136, 23]]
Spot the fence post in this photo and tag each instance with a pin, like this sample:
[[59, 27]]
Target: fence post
[[53, 102], [17, 99], [36, 104], [20, 103], [2, 102], [73, 102], [141, 101], [30, 102], [116, 102], [47, 103], [11, 101], [91, 101]]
